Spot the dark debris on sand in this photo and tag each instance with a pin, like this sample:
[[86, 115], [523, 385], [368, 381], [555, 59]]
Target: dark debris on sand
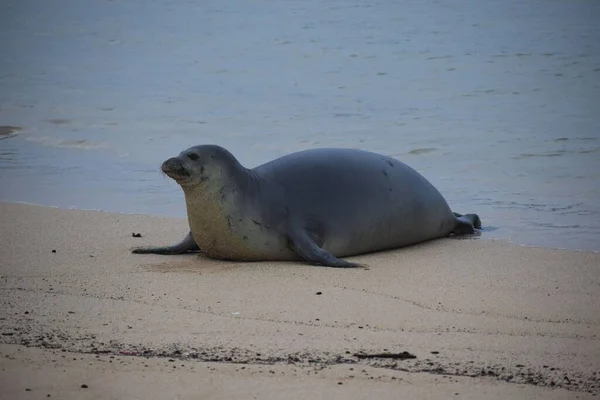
[[548, 376]]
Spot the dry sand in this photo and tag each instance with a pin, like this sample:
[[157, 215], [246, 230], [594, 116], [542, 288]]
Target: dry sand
[[485, 319]]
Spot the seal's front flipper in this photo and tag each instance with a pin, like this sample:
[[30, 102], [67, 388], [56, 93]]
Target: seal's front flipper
[[466, 224], [306, 247], [187, 244]]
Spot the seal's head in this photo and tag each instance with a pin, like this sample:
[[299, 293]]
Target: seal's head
[[200, 165]]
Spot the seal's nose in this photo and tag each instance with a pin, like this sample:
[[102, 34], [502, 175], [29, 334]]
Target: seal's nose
[[170, 164], [174, 166]]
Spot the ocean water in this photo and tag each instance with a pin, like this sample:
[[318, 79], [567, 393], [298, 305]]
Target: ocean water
[[497, 103]]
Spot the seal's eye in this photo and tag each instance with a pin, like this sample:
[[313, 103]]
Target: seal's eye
[[193, 156]]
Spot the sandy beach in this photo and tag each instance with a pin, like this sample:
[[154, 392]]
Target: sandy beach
[[81, 317]]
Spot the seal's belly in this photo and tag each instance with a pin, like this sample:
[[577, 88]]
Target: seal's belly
[[222, 231], [383, 219], [358, 237]]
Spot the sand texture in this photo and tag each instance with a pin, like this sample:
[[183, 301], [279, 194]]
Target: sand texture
[[484, 319]]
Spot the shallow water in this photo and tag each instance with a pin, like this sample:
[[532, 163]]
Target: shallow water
[[496, 103]]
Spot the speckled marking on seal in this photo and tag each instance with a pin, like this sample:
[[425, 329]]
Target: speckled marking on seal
[[219, 227]]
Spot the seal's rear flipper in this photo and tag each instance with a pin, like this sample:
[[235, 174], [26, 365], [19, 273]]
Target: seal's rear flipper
[[306, 247], [466, 224], [187, 244]]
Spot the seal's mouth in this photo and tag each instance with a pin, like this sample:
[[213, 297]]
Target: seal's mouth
[[175, 169]]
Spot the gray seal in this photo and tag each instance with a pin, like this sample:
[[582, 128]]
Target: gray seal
[[317, 205]]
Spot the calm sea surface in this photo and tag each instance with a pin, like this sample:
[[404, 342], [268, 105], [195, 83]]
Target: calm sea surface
[[497, 103]]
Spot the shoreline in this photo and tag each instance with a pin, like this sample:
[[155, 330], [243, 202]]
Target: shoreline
[[481, 316], [547, 222], [155, 215]]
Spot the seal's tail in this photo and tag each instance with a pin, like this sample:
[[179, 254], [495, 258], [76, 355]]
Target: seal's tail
[[466, 224]]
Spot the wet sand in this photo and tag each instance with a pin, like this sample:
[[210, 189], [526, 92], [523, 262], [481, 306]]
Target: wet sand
[[484, 319]]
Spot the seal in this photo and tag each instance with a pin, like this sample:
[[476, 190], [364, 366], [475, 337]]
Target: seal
[[315, 205]]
